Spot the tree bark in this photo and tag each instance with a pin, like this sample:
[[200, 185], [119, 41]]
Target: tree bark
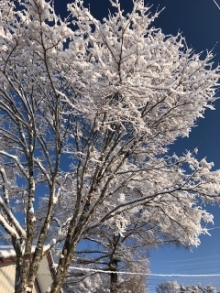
[[113, 276]]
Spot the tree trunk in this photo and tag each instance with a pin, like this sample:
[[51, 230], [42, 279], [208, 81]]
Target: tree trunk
[[113, 276]]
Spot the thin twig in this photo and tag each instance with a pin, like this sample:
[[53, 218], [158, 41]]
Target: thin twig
[[216, 4]]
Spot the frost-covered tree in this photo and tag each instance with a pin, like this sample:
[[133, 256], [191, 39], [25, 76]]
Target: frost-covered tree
[[108, 254], [175, 287], [168, 287], [88, 111], [95, 280], [107, 250], [210, 289]]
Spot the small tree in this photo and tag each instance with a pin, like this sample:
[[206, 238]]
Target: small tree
[[88, 110], [112, 247], [168, 287], [109, 255], [95, 280]]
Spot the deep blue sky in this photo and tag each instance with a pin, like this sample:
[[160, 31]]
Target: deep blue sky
[[199, 21]]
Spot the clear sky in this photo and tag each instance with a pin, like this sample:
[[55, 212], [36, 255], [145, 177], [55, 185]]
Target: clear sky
[[199, 21]]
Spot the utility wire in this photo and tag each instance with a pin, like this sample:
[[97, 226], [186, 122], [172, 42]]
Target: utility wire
[[146, 274], [196, 258], [192, 264]]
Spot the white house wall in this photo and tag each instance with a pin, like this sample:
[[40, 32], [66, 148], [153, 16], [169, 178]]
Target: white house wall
[[44, 278], [7, 279]]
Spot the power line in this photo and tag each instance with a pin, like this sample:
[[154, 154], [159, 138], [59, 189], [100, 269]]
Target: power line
[[196, 263], [182, 260], [146, 274]]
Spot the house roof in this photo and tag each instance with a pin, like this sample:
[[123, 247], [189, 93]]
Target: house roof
[[7, 255]]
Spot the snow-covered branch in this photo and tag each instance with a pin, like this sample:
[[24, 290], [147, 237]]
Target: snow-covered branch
[[87, 118]]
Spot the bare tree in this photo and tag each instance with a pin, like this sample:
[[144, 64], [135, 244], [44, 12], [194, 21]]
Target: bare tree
[[87, 115]]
